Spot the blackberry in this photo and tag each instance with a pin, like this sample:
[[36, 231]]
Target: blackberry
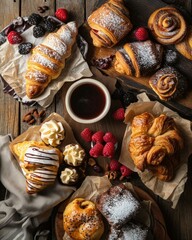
[[34, 19], [38, 31], [170, 57], [103, 63], [49, 25], [128, 98], [25, 48]]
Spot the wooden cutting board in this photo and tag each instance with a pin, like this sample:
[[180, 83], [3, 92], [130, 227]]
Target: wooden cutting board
[[139, 14], [158, 224]]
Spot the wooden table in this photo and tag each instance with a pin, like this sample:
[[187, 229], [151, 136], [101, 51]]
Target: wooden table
[[179, 220]]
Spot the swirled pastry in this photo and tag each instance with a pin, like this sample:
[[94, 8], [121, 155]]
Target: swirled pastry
[[185, 46], [168, 83], [39, 164], [74, 155], [167, 25], [109, 23], [82, 220], [138, 58], [155, 144], [48, 59]]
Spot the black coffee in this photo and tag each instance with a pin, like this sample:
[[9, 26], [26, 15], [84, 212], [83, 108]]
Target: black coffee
[[87, 101]]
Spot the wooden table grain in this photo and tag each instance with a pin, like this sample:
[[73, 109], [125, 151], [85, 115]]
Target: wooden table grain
[[178, 220]]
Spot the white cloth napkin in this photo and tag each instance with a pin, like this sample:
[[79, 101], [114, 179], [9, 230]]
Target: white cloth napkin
[[21, 213]]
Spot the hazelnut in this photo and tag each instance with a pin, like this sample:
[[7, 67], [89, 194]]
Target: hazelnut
[[35, 113], [28, 117], [92, 162], [32, 121]]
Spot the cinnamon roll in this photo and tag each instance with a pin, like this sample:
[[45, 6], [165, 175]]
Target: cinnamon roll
[[109, 23], [185, 47], [168, 83], [167, 25]]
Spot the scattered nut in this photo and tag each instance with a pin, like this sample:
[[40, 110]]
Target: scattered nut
[[45, 8], [40, 10], [27, 117], [112, 175], [33, 116], [32, 121], [92, 162], [42, 113], [35, 113]]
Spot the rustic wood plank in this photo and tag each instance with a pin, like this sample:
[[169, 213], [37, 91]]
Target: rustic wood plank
[[28, 7]]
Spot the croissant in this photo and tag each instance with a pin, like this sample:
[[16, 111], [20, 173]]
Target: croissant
[[168, 83], [48, 59], [167, 25], [138, 58], [185, 46], [39, 164], [155, 144], [109, 23]]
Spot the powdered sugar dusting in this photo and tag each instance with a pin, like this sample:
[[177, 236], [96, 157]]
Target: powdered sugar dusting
[[37, 58], [55, 43], [66, 36], [49, 52], [37, 76]]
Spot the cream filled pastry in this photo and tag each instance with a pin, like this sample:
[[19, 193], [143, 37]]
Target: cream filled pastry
[[74, 154], [69, 176], [52, 132]]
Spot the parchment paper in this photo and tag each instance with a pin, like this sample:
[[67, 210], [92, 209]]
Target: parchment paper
[[171, 190], [13, 67]]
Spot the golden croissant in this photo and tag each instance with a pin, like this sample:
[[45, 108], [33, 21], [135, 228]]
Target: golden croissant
[[48, 59], [155, 144], [39, 164]]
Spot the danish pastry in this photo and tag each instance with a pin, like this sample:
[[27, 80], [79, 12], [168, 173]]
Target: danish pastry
[[185, 46], [109, 23], [82, 220], [39, 164], [167, 25], [138, 58], [155, 144], [48, 59], [168, 83]]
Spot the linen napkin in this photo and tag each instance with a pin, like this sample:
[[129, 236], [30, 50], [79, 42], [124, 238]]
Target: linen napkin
[[21, 213]]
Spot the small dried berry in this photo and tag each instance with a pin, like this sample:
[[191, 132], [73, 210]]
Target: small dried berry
[[97, 168], [38, 31], [25, 48], [103, 63], [49, 25], [34, 19]]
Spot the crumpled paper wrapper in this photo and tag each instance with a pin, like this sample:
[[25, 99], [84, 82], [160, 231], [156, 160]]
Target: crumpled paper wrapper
[[171, 190], [93, 186], [13, 67]]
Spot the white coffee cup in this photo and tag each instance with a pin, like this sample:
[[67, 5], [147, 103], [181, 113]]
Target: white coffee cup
[[87, 101]]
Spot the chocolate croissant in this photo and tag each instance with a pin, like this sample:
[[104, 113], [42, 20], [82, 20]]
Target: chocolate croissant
[[155, 144], [39, 164], [168, 83], [48, 59], [138, 58], [109, 23], [167, 25], [185, 46]]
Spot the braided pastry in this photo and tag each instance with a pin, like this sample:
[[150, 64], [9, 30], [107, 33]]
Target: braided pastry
[[39, 164], [48, 59], [185, 47], [167, 25], [155, 144], [82, 220], [109, 23], [168, 83], [138, 58]]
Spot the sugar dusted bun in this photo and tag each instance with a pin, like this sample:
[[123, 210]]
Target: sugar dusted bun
[[82, 220], [167, 25]]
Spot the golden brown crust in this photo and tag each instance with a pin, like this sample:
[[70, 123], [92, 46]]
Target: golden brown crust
[[155, 144], [138, 58], [48, 59], [82, 220], [109, 23], [167, 25]]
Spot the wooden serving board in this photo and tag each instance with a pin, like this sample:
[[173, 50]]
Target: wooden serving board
[[139, 15], [158, 223]]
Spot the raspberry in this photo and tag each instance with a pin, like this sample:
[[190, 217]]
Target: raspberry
[[109, 137], [119, 114], [125, 171], [38, 31], [14, 37], [25, 48], [98, 136], [141, 34], [62, 14], [49, 25], [96, 150], [109, 150], [114, 165], [34, 19], [86, 134]]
